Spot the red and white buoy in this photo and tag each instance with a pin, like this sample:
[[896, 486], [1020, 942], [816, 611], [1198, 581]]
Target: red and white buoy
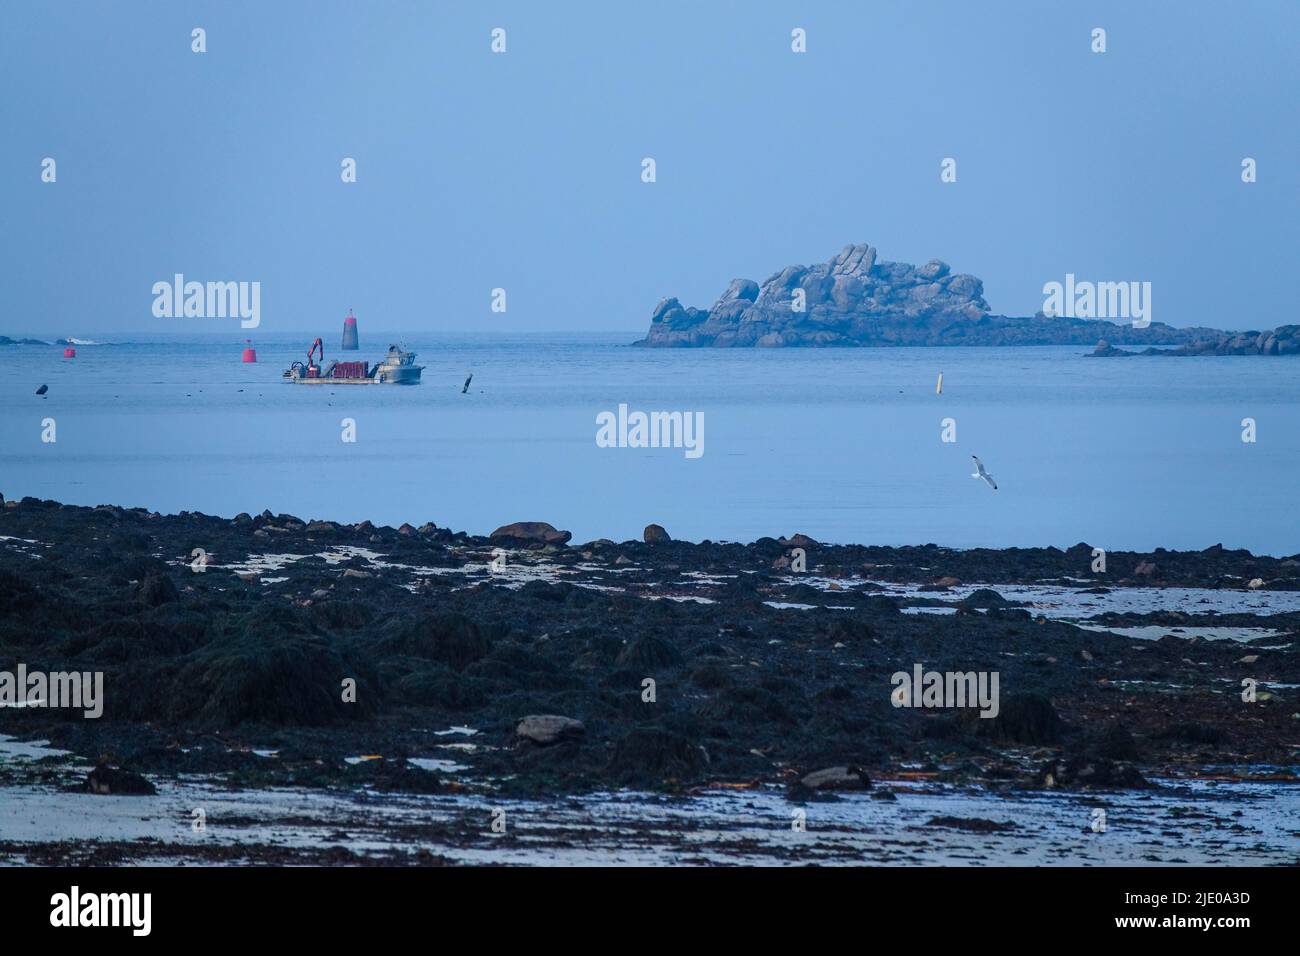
[[250, 353]]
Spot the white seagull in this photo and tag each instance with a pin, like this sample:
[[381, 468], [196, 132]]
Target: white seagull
[[981, 473]]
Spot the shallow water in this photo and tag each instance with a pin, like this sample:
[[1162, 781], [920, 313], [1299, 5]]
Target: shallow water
[[840, 444], [1185, 822], [1055, 601]]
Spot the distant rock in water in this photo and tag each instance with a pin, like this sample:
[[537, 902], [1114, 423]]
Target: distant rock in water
[[1284, 340], [1105, 350], [856, 299], [6, 340]]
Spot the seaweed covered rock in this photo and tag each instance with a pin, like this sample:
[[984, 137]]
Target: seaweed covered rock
[[114, 781], [157, 589], [651, 756], [649, 652], [1085, 771], [449, 638], [264, 677], [1024, 719], [984, 599], [17, 596], [1116, 743]]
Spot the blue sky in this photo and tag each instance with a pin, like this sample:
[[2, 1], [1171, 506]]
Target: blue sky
[[522, 170]]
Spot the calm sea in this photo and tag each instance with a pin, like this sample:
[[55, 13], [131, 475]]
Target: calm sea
[[844, 445]]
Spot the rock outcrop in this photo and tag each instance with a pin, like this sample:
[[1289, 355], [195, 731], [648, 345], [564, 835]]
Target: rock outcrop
[[547, 729], [105, 781], [531, 532], [857, 299], [1284, 340]]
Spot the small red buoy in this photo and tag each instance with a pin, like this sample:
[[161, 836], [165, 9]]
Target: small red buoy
[[250, 353], [69, 352]]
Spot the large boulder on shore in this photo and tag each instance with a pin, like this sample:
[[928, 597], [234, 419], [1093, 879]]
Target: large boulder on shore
[[114, 781], [531, 532], [836, 778], [546, 729]]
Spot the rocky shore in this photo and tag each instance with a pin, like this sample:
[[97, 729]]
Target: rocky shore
[[858, 299], [1284, 340], [228, 646]]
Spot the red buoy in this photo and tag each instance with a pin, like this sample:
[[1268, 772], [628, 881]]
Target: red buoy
[[250, 353], [69, 352]]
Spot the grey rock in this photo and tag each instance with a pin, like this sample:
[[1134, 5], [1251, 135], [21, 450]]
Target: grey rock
[[934, 269], [547, 729], [743, 289], [531, 532], [837, 778]]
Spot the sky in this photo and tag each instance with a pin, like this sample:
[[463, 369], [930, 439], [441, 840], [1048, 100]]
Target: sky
[[523, 170]]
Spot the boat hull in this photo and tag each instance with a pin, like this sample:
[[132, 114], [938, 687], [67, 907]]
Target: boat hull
[[398, 374], [397, 368], [406, 376]]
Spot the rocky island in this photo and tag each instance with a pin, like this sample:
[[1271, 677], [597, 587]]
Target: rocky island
[[858, 299]]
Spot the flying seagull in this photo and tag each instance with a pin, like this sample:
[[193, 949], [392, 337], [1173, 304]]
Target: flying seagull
[[467, 381], [42, 390], [981, 473]]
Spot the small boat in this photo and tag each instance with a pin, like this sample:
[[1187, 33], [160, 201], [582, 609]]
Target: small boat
[[397, 368]]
